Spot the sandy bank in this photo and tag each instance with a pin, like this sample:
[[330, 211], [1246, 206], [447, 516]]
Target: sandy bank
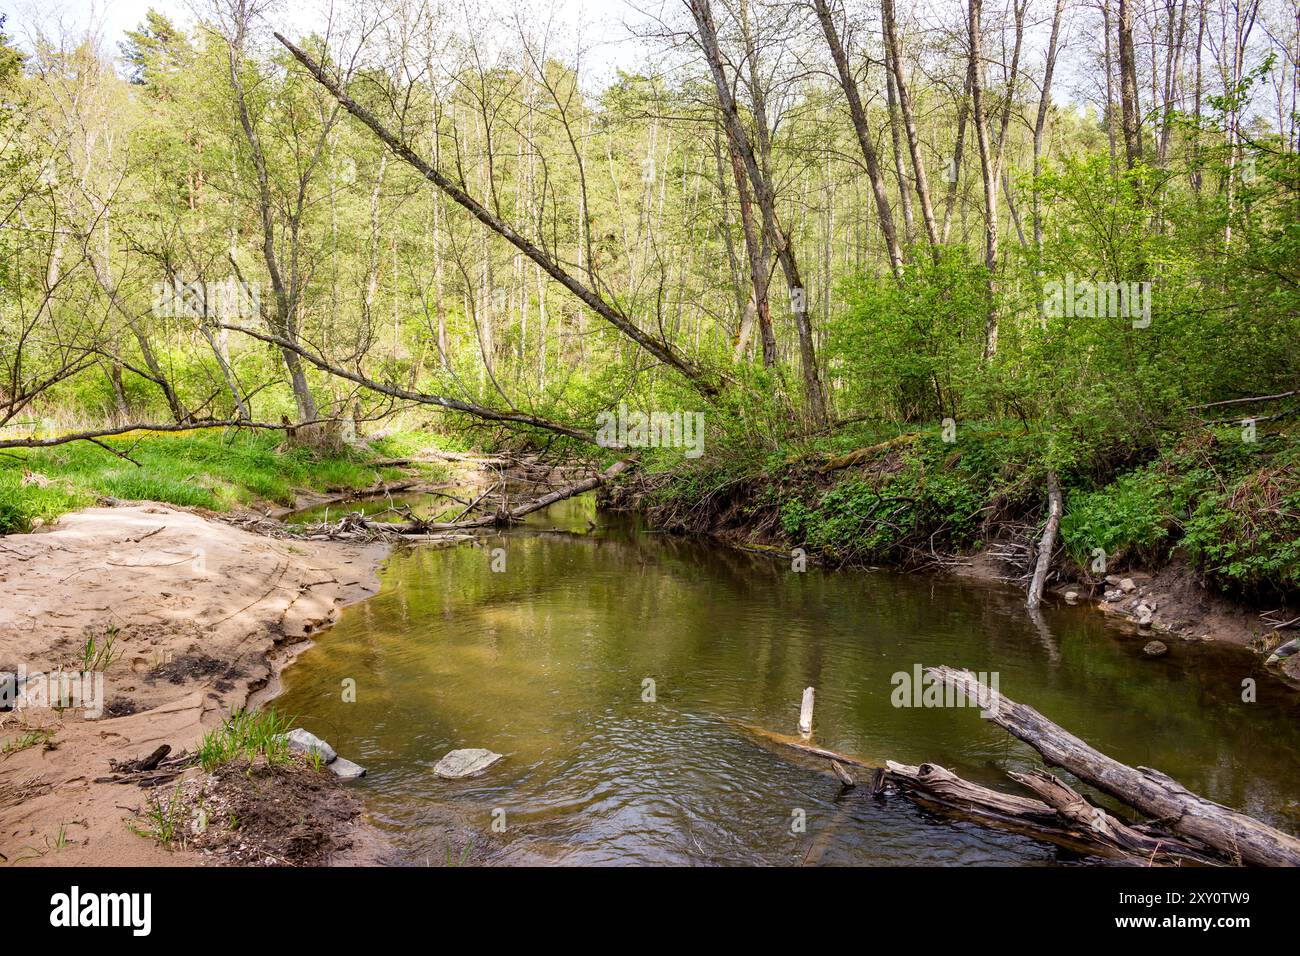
[[202, 615]]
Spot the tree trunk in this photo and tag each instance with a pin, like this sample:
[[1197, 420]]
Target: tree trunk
[[1055, 507], [990, 181], [1130, 116], [763, 194], [859, 117], [1040, 121], [895, 47], [1233, 834]]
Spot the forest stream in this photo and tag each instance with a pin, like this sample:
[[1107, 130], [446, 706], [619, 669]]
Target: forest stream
[[540, 644]]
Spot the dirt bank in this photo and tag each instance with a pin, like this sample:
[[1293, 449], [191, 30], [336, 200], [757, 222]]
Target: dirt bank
[[1172, 602], [197, 616]]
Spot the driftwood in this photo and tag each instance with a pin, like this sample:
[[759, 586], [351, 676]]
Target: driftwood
[[514, 514], [1234, 835], [1073, 807], [158, 767], [871, 452], [1055, 506], [939, 789]]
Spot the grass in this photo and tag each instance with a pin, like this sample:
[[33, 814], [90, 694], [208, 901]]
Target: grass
[[31, 738], [248, 734], [163, 821], [216, 469], [97, 654]]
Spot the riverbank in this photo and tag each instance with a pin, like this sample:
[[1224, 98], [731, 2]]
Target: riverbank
[[215, 469], [186, 617], [1198, 540]]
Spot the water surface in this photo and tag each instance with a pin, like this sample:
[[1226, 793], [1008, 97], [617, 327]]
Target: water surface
[[547, 660]]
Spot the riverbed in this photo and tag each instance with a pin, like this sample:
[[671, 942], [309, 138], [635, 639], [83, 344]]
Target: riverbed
[[611, 665]]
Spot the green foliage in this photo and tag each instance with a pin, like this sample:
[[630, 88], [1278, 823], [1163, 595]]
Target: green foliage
[[246, 735], [207, 469], [163, 819], [1128, 518], [1244, 524]]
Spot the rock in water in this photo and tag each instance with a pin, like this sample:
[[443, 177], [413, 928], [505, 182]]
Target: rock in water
[[465, 763], [1288, 649], [1071, 596], [345, 769], [1155, 649], [304, 743]]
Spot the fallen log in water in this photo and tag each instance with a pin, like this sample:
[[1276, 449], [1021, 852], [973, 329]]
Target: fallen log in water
[[1073, 807], [1236, 836], [938, 788], [514, 514]]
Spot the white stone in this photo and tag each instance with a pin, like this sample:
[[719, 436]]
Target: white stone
[[304, 743], [465, 763], [1127, 586], [345, 769]]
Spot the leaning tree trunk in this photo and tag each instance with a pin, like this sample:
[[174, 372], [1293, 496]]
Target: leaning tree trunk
[[1233, 834], [859, 116]]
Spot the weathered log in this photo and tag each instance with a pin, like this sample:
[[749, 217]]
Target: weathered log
[[1055, 507], [846, 778], [871, 452], [806, 711], [514, 514], [940, 789], [952, 789], [1067, 802], [1233, 834]]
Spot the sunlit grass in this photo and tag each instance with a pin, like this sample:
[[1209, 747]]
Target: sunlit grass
[[215, 469], [246, 734]]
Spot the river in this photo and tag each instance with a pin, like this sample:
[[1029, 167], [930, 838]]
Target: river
[[609, 665]]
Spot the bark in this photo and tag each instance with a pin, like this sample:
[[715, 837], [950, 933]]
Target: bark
[[896, 140], [990, 180], [895, 47], [1055, 507], [1040, 120], [1130, 117], [285, 295], [661, 350], [1234, 835], [858, 116], [763, 194], [1061, 820], [963, 112], [757, 253]]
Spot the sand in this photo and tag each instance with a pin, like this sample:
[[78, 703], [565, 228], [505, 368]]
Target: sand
[[203, 615]]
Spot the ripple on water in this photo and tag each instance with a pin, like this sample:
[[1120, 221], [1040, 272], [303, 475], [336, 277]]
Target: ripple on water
[[547, 663]]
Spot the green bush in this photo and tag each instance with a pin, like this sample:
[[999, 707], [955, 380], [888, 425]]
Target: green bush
[[1128, 518]]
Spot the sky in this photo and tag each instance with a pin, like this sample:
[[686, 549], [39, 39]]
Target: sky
[[603, 22]]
